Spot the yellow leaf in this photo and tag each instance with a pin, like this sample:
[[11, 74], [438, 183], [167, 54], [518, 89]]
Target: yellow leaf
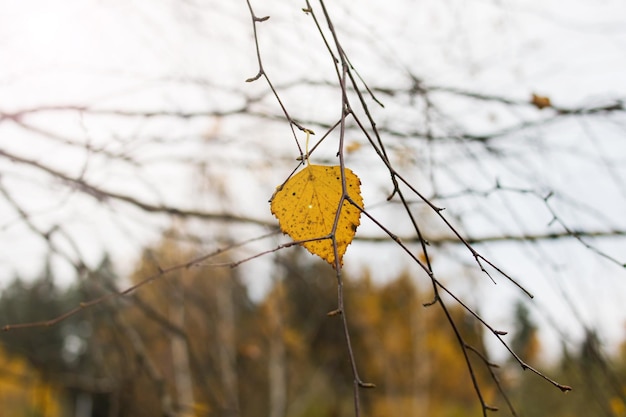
[[541, 102], [307, 204], [353, 146]]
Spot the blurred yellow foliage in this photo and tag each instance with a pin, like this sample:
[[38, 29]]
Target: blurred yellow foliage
[[618, 408], [23, 392]]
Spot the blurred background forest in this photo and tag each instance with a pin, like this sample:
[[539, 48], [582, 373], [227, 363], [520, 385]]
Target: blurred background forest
[[194, 343], [142, 273]]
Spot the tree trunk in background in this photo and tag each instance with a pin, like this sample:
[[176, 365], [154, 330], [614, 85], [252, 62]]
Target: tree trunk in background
[[83, 405], [227, 344], [151, 369], [420, 361], [183, 379], [277, 358]]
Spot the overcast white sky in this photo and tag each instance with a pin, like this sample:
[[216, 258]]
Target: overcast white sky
[[195, 55]]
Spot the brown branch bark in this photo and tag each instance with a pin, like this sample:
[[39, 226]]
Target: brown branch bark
[[102, 194]]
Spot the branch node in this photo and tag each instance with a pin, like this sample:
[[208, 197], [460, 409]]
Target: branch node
[[261, 19], [256, 77], [431, 303], [564, 388]]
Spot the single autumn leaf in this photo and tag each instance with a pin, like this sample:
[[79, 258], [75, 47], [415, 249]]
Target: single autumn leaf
[[541, 102], [306, 206], [353, 146]]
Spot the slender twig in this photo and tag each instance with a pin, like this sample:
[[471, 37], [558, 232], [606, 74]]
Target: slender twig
[[531, 237], [102, 194], [380, 149], [579, 235], [261, 73], [491, 368], [130, 289], [343, 71]]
